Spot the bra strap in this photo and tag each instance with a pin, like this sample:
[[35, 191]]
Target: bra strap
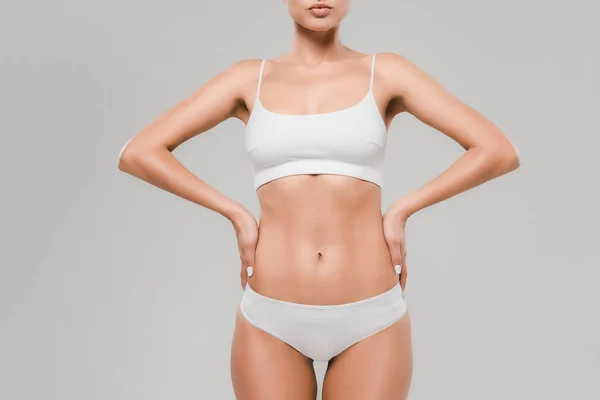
[[372, 71], [260, 74]]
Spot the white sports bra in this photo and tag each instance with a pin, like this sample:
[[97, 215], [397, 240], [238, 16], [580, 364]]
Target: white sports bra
[[347, 142]]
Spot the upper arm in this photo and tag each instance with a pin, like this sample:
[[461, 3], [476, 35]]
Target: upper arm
[[430, 102], [218, 99]]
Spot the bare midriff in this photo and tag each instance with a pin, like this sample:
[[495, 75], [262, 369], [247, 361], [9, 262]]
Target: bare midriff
[[321, 241]]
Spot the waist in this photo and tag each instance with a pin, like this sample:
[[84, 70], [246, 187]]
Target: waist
[[327, 257]]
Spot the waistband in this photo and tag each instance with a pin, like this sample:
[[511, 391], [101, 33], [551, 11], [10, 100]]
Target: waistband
[[390, 294]]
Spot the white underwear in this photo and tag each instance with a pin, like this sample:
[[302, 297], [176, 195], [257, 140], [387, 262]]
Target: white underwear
[[321, 332]]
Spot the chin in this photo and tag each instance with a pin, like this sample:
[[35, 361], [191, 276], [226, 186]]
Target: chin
[[319, 24]]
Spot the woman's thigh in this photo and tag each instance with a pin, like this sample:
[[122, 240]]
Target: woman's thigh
[[379, 367], [265, 368]]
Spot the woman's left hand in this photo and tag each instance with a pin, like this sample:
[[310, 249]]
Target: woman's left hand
[[394, 222]]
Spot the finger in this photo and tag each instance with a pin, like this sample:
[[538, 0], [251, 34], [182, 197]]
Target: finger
[[404, 274], [403, 280], [396, 255], [250, 262], [243, 277]]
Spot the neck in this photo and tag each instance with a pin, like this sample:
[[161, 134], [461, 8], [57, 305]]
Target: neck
[[311, 47]]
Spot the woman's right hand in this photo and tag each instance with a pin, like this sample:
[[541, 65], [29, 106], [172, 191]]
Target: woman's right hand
[[246, 230]]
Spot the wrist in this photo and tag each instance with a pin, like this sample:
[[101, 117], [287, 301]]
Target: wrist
[[233, 212], [400, 211]]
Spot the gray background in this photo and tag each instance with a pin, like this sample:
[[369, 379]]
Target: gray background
[[113, 289]]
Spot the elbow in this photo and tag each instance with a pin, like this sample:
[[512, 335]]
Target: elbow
[[135, 157], [127, 157], [506, 158], [123, 159], [512, 158]]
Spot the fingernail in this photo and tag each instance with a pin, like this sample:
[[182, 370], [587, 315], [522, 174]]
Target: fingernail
[[398, 269], [249, 271]]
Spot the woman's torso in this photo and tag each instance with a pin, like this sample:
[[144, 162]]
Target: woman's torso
[[320, 231]]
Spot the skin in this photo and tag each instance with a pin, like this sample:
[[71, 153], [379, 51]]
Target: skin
[[343, 250]]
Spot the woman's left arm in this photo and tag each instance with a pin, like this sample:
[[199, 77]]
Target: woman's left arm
[[489, 153]]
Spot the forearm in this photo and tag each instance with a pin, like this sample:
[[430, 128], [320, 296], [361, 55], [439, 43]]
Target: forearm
[[477, 166], [160, 168]]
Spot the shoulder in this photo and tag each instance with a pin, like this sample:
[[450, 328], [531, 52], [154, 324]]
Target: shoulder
[[245, 65], [242, 71], [388, 57], [391, 66], [237, 78], [400, 74], [239, 72]]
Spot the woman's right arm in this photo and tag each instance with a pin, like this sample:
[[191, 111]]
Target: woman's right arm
[[148, 155]]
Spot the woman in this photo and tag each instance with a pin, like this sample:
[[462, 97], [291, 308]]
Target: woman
[[323, 274]]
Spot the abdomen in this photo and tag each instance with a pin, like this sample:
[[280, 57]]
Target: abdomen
[[321, 241]]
